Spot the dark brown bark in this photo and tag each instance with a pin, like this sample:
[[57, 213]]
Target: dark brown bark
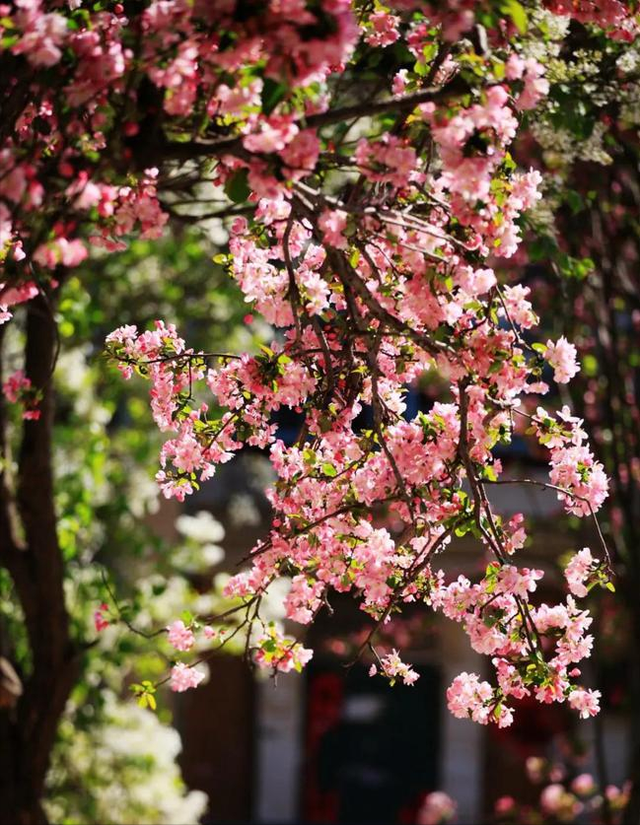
[[35, 563]]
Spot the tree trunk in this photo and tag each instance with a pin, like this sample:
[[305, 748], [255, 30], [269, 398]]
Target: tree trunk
[[24, 756], [33, 559], [632, 811], [17, 803]]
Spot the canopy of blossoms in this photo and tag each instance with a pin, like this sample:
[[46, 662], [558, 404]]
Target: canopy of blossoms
[[367, 229]]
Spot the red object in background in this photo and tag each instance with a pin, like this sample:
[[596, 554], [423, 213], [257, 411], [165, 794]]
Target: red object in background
[[325, 698], [533, 732], [409, 814], [534, 727]]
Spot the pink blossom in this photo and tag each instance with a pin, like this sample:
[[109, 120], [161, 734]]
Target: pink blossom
[[375, 264], [394, 668], [553, 798], [303, 599], [575, 470], [586, 702], [562, 357], [504, 805], [273, 136], [333, 222], [61, 251], [399, 84], [578, 571], [387, 159], [180, 636], [437, 808], [385, 29], [184, 677], [99, 620], [468, 697], [583, 785], [301, 153], [14, 385], [42, 37], [519, 307], [18, 389]]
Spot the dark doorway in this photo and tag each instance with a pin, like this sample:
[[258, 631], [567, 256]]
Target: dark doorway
[[371, 749]]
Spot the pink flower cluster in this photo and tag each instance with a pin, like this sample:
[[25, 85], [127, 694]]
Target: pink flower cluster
[[579, 570], [387, 160], [586, 702], [564, 799], [18, 389], [332, 223], [12, 295], [99, 619], [501, 623], [370, 286], [535, 86], [43, 33], [393, 668], [580, 480], [185, 677], [277, 652], [438, 808], [384, 29], [612, 15], [562, 357], [176, 46], [180, 636]]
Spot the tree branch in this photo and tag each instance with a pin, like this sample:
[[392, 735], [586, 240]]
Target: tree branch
[[233, 145]]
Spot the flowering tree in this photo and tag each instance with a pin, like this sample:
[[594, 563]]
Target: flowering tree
[[363, 158]]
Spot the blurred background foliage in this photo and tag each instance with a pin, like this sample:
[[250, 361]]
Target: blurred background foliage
[[114, 761]]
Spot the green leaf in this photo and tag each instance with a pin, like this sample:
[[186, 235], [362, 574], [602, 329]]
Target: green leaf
[[272, 93], [421, 69], [329, 470], [237, 187], [489, 473], [517, 13], [509, 162], [8, 41], [574, 199]]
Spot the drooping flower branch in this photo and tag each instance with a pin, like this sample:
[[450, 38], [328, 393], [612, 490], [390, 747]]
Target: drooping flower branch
[[374, 258], [368, 297]]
